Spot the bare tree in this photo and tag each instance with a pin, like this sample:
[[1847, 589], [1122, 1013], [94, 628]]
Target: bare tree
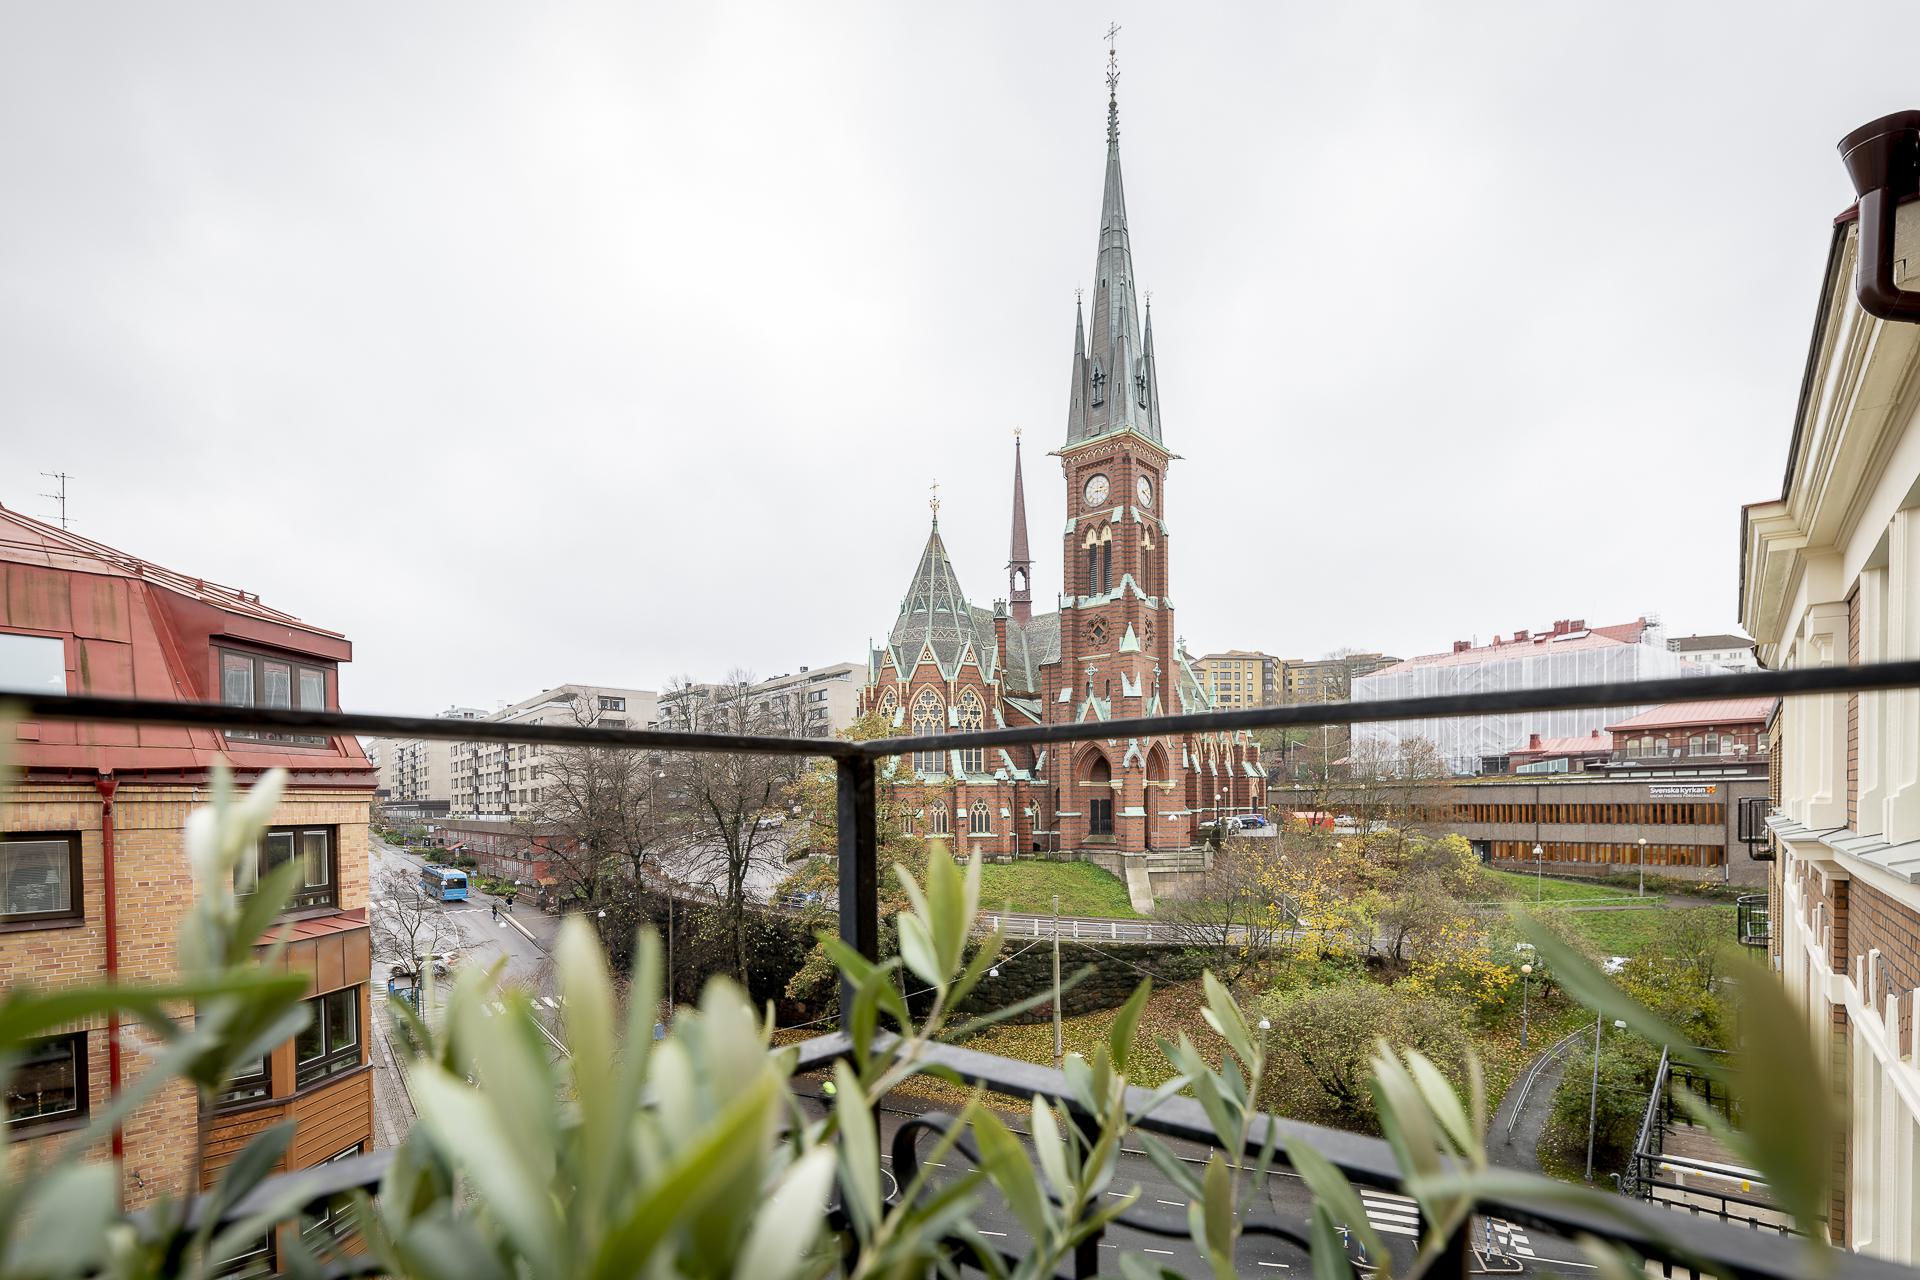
[[1234, 916], [718, 799], [409, 924], [599, 813]]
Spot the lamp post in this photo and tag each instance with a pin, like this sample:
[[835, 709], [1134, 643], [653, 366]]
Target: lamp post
[[1539, 884], [1643, 866], [1593, 1096], [1056, 982], [1526, 985]]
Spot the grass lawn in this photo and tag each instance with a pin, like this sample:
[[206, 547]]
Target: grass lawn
[[1084, 889], [1628, 933], [1517, 886]]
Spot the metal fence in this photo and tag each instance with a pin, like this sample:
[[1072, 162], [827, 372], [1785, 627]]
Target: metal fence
[[1645, 1228]]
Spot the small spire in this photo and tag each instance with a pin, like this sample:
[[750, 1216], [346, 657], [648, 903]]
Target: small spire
[[1113, 86]]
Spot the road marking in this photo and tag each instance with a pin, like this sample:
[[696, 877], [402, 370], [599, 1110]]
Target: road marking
[[497, 1007], [549, 1002], [985, 1232], [1178, 1204], [1284, 1266], [1165, 1253]]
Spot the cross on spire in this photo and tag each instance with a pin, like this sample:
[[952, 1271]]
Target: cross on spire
[[1113, 84], [934, 502]]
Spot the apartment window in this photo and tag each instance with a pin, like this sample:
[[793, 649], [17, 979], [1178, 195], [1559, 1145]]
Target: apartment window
[[255, 680], [39, 877], [331, 1042], [49, 1086], [33, 664], [334, 1221], [313, 849], [255, 1259], [612, 704], [250, 1086]]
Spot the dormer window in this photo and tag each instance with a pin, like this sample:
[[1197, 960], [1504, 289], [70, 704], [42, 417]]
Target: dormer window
[[256, 680]]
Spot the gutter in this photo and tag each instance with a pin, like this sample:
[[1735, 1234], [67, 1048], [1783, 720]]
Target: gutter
[[106, 784]]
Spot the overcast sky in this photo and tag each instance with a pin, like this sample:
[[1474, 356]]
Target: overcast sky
[[535, 343]]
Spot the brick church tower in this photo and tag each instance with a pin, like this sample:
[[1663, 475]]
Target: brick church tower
[[1110, 651]]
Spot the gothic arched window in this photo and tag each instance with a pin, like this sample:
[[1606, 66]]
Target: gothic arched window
[[1106, 567], [942, 820], [972, 717], [1093, 570], [927, 713], [888, 703], [979, 821]]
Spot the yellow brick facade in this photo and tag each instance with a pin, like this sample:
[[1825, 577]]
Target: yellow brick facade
[[153, 883]]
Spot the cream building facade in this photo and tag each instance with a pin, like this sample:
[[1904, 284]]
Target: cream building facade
[[502, 780], [1830, 574]]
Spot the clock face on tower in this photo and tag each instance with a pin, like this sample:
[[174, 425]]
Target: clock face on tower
[[1143, 489], [1096, 491]]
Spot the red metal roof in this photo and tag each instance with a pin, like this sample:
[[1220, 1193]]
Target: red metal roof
[[1676, 715], [1597, 741], [133, 629]]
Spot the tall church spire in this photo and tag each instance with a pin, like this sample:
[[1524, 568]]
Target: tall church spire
[[1019, 560], [1112, 388]]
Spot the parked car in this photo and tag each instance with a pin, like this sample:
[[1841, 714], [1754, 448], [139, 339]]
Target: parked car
[[1235, 824]]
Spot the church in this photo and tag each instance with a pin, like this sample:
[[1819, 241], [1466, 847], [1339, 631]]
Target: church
[[1109, 652]]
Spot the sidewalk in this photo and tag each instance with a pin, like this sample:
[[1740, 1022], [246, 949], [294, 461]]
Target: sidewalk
[[1520, 1151]]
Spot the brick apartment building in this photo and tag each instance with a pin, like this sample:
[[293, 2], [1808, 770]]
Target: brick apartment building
[[1109, 651], [1830, 574], [94, 876]]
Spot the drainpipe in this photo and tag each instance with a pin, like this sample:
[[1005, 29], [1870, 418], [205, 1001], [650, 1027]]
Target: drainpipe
[[1883, 160], [105, 785]]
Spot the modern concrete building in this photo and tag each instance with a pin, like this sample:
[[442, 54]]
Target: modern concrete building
[[1830, 574], [1327, 679], [813, 702], [1240, 678], [94, 875], [416, 774], [502, 781], [1732, 653]]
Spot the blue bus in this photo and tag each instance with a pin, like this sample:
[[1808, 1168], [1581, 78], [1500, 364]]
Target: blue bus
[[448, 884]]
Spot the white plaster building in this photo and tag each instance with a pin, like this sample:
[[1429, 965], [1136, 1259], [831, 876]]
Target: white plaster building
[[501, 780], [1830, 573], [1731, 653]]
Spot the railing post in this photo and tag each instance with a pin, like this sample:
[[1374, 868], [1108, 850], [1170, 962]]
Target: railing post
[[859, 865]]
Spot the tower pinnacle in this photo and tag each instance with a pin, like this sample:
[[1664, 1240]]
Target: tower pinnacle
[[1019, 559]]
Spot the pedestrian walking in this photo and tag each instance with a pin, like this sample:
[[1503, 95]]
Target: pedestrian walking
[[496, 909]]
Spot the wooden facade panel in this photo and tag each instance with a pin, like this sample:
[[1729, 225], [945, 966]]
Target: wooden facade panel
[[359, 954], [230, 1133], [332, 1118], [330, 969]]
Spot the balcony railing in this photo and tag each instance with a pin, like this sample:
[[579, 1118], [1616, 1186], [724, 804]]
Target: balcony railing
[[1753, 920], [1644, 1228]]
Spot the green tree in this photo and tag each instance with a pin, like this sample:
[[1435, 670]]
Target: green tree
[[1323, 1042]]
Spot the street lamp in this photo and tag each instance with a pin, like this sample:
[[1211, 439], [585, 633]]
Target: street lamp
[[1539, 885], [1643, 866], [1526, 989]]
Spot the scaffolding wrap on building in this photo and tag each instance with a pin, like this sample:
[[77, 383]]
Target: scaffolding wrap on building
[[1567, 654]]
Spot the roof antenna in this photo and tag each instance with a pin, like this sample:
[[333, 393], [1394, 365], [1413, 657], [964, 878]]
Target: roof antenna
[[60, 497]]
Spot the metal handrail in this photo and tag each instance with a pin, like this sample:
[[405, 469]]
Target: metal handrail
[[1370, 1161], [1631, 1184]]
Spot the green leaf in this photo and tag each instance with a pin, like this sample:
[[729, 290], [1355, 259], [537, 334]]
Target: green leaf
[[947, 903], [63, 1221], [787, 1225], [917, 949], [1443, 1102], [462, 1124], [1126, 1022], [1333, 1193], [1172, 1167], [859, 1150], [1004, 1162], [1221, 1222], [1223, 1015], [1047, 1145], [1329, 1255]]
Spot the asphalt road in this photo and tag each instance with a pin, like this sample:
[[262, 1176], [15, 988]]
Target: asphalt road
[[1285, 1202]]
